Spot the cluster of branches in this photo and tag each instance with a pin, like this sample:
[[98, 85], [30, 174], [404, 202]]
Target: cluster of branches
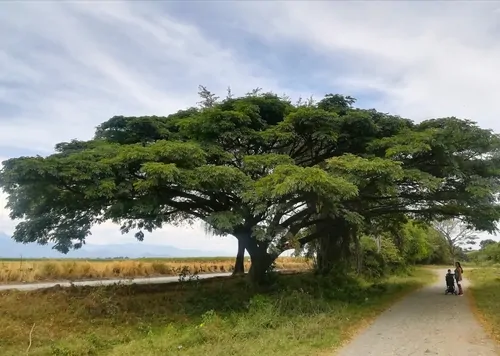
[[274, 174]]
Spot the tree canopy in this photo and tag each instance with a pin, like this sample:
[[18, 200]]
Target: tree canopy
[[488, 254], [272, 173]]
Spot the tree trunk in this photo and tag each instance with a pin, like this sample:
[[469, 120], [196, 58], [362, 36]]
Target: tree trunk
[[333, 248], [329, 254], [359, 254], [261, 263], [453, 251], [239, 264], [261, 259]]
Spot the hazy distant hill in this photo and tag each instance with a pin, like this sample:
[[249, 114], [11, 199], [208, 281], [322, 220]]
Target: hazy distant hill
[[11, 249]]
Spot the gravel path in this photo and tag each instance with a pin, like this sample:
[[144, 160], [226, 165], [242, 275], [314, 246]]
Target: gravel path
[[425, 323]]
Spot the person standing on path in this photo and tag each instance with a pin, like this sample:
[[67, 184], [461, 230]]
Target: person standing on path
[[458, 277]]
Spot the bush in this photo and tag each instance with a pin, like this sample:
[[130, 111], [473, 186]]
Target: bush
[[378, 264]]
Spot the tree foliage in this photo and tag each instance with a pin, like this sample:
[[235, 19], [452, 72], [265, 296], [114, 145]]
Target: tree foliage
[[394, 250], [488, 254], [485, 243], [271, 173]]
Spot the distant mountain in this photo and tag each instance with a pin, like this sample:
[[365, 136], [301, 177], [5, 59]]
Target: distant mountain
[[11, 249]]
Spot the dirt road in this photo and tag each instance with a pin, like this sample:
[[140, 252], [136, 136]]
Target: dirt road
[[425, 323], [103, 282]]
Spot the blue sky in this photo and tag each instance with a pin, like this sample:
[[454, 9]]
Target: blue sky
[[67, 66]]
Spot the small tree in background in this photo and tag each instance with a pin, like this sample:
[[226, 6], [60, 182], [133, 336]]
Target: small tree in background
[[456, 234], [485, 243]]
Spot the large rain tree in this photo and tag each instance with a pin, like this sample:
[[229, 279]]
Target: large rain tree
[[271, 173]]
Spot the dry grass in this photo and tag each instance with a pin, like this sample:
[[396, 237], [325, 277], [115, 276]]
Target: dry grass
[[300, 315], [15, 271]]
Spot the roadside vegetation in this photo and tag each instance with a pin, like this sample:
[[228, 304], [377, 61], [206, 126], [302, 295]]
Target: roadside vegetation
[[485, 288], [485, 291], [487, 255]]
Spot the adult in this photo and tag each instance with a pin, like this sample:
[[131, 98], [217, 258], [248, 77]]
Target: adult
[[458, 277]]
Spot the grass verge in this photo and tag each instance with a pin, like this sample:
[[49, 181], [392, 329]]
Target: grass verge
[[485, 292], [300, 314]]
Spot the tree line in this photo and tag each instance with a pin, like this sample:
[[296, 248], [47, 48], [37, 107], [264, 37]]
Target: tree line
[[326, 178], [489, 253]]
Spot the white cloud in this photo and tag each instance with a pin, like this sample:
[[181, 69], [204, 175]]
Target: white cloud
[[6, 225], [70, 66], [66, 67], [426, 58], [186, 237]]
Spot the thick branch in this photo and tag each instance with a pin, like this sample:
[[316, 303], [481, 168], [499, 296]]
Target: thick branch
[[297, 217], [311, 237]]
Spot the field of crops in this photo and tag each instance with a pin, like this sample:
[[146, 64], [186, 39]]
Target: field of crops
[[12, 271]]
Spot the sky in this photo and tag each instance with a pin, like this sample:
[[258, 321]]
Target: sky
[[65, 67]]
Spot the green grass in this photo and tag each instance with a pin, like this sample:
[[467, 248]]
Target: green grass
[[299, 315], [485, 291]]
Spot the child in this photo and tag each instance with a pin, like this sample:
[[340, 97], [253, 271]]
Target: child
[[450, 283]]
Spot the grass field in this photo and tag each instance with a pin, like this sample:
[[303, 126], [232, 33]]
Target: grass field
[[485, 291], [12, 271], [299, 315]]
